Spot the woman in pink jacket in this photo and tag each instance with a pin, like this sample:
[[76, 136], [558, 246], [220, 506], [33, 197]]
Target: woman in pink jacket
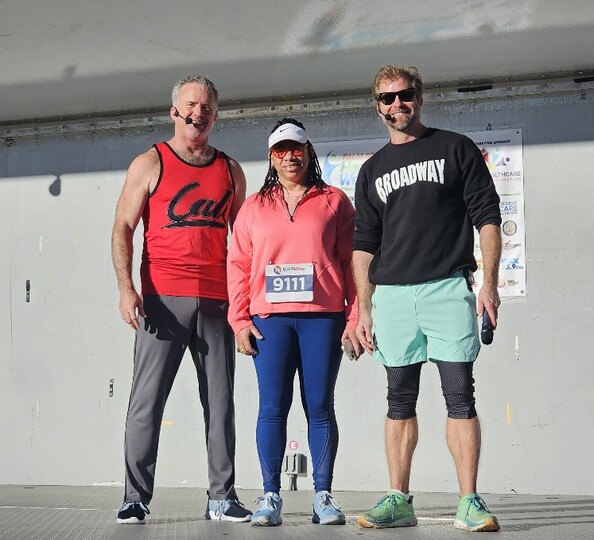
[[291, 304]]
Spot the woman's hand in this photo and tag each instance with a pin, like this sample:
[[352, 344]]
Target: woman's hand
[[351, 345], [245, 341]]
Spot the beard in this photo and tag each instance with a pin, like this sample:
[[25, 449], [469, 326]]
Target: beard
[[402, 125]]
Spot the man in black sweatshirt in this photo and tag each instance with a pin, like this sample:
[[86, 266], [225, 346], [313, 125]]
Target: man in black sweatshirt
[[418, 199]]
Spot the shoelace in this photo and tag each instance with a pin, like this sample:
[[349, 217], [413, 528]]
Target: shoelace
[[328, 500], [391, 498], [132, 504], [267, 502], [222, 507], [224, 504], [479, 504]]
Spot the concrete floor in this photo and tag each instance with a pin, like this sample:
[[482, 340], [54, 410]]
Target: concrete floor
[[71, 512]]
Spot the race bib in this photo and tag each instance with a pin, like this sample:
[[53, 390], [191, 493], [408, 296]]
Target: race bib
[[289, 282]]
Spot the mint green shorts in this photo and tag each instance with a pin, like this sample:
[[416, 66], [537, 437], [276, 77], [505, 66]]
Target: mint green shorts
[[436, 320]]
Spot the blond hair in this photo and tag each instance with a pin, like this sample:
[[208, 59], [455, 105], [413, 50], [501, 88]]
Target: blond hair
[[388, 73]]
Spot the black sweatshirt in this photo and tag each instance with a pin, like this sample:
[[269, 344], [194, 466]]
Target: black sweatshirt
[[417, 204]]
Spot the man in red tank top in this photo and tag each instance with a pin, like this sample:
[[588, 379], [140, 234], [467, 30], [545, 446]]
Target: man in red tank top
[[187, 194]]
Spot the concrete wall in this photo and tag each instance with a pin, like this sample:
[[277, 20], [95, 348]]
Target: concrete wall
[[61, 350]]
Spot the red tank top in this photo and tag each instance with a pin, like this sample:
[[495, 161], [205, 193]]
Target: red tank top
[[185, 228]]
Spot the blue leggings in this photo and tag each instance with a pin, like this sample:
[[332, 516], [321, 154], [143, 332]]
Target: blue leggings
[[309, 344]]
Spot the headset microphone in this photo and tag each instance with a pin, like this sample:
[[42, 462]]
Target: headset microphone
[[186, 119], [389, 117]]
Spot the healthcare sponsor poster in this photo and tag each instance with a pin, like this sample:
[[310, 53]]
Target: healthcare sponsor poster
[[340, 162], [502, 150]]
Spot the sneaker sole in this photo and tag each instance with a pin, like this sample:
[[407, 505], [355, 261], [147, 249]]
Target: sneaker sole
[[334, 520], [131, 521], [212, 515], [490, 525], [264, 522], [408, 522]]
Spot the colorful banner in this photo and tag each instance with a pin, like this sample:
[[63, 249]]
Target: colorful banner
[[502, 150], [341, 160]]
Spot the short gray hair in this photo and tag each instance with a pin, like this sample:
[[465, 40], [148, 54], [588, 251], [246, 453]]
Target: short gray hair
[[194, 79]]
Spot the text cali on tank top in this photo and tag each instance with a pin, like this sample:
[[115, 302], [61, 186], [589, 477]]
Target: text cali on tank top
[[186, 222]]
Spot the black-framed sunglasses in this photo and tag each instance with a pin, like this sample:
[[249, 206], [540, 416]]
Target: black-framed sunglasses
[[387, 98]]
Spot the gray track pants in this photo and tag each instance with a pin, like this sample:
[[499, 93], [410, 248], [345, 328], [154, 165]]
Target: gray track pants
[[172, 324]]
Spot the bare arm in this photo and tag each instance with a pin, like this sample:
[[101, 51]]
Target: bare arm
[[488, 298], [142, 174], [361, 262], [240, 190]]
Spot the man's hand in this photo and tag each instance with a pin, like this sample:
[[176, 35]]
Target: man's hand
[[244, 340], [488, 300], [488, 297], [131, 307], [361, 262], [365, 332]]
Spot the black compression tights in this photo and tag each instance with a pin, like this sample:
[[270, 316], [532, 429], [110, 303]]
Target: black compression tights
[[457, 385]]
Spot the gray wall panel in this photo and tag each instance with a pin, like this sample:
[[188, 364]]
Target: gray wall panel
[[60, 350]]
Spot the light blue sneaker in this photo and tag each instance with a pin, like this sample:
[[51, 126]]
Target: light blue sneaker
[[326, 511], [269, 510]]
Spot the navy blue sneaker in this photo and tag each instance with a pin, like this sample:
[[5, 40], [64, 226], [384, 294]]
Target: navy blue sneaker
[[132, 512], [227, 510]]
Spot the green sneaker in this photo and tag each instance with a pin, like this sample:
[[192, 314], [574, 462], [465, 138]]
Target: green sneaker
[[473, 515], [392, 510]]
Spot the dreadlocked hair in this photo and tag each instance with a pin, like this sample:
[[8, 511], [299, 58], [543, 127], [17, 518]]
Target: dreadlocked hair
[[314, 173]]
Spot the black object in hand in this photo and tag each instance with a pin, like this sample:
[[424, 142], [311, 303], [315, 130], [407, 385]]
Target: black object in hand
[[486, 329], [349, 349]]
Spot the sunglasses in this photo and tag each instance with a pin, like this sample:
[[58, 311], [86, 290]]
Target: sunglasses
[[387, 98], [281, 151]]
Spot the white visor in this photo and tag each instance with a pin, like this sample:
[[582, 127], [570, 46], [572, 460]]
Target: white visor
[[287, 132]]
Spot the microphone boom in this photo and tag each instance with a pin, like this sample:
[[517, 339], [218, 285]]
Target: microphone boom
[[186, 119]]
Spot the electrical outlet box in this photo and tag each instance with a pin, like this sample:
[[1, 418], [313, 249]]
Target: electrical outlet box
[[295, 464]]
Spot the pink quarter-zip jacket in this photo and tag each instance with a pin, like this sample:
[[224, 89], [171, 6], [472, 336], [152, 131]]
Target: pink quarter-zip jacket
[[320, 232]]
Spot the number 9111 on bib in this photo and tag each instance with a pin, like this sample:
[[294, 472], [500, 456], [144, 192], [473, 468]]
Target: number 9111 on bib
[[289, 282]]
